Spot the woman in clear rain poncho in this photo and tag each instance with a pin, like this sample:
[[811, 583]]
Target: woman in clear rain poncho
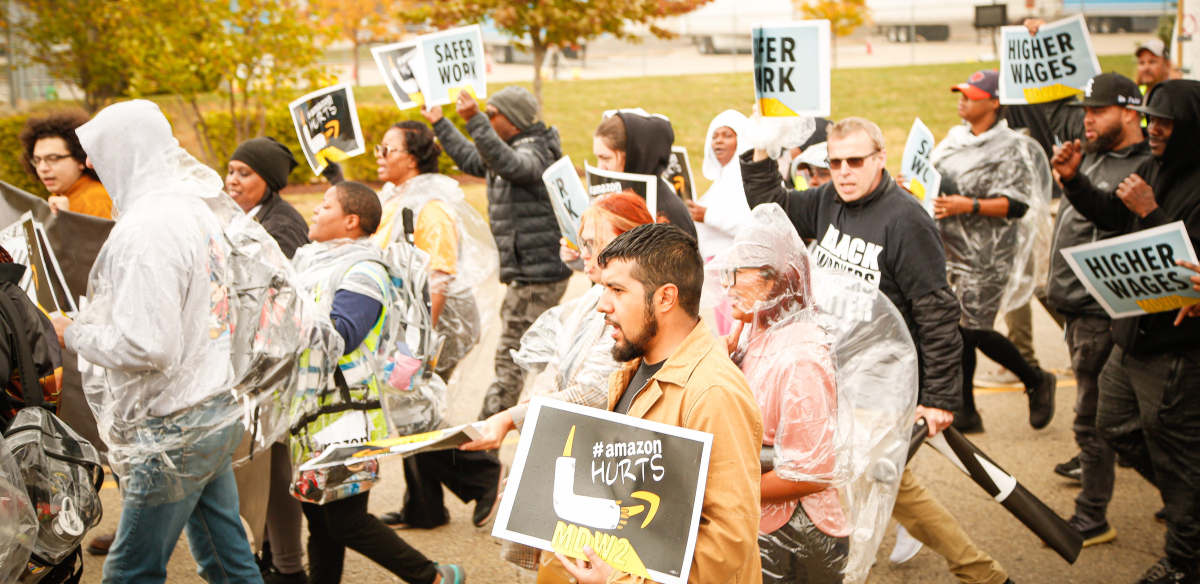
[[572, 342], [994, 225]]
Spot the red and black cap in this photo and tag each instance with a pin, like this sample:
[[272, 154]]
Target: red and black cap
[[983, 84]]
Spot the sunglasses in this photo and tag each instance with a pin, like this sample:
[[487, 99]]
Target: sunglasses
[[854, 162], [383, 150], [490, 113]]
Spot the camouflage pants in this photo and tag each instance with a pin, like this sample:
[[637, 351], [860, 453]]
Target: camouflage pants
[[523, 303]]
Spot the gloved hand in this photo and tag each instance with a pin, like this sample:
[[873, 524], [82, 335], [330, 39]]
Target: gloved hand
[[777, 135], [333, 173]]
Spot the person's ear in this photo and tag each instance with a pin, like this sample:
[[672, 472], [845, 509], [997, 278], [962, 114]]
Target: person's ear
[[351, 222], [665, 298]]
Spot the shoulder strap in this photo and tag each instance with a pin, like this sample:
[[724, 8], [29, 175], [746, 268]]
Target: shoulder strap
[[340, 271], [31, 390]]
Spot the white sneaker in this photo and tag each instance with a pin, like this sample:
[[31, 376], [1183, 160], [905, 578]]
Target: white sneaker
[[1000, 377], [907, 546]]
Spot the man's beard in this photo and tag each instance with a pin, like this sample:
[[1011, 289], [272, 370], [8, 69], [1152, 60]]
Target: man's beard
[[1103, 142], [634, 347]]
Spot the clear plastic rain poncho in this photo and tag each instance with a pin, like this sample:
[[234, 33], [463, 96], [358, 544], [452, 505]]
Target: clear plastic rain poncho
[[833, 367], [18, 520], [477, 259], [992, 262]]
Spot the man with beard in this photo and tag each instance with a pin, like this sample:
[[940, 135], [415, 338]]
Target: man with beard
[[1149, 389], [676, 373], [1113, 150]]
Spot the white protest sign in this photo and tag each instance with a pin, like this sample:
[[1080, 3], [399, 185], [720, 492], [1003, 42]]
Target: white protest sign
[[567, 196], [1055, 63], [791, 68], [399, 62], [327, 125], [921, 178], [451, 61], [601, 183], [1136, 274]]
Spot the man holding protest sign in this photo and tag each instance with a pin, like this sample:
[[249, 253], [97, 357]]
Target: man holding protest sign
[[1150, 386], [512, 149], [676, 373]]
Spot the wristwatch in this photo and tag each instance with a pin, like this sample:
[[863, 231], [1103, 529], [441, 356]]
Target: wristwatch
[[974, 206]]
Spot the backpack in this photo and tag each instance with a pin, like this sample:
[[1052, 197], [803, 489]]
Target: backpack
[[61, 470]]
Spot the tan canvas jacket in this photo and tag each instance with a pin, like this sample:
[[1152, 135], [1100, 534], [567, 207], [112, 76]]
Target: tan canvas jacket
[[701, 389]]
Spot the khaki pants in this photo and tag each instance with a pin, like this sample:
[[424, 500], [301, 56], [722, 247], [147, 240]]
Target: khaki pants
[[930, 523]]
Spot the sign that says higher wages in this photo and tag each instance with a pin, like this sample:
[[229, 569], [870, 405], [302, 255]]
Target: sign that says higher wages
[[791, 68], [1056, 62]]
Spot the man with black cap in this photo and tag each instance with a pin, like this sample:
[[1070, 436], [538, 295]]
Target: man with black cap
[[1113, 149], [512, 149], [258, 170], [1149, 400]]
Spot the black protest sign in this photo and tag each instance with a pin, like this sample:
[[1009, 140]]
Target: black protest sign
[[398, 62], [602, 183], [629, 488], [26, 242], [679, 174], [326, 123]]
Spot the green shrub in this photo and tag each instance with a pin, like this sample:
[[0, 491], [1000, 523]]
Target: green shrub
[[11, 170]]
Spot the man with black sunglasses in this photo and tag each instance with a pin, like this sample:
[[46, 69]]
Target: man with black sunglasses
[[865, 224]]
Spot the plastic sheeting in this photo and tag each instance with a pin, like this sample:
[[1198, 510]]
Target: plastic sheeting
[[993, 263], [18, 520], [777, 135]]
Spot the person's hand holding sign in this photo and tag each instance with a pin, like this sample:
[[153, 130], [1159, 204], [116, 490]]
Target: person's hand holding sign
[[1033, 24], [1194, 309], [697, 211], [1137, 195], [494, 431], [466, 106], [593, 571], [951, 205], [433, 114], [1067, 159]]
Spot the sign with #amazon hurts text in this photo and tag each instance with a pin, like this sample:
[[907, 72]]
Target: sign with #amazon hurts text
[[1136, 274], [791, 68], [630, 489], [1056, 62], [326, 123]]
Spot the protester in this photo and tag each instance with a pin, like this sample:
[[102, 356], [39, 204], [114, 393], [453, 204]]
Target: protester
[[868, 226], [453, 234], [1153, 64], [512, 151], [1114, 149], [158, 324], [811, 168], [43, 345], [788, 361], [676, 373], [52, 154], [342, 225], [258, 171], [1150, 384], [722, 209], [990, 227], [636, 142]]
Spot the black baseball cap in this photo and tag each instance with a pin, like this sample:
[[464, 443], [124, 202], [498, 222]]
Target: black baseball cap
[[983, 84], [1108, 89], [1159, 106]]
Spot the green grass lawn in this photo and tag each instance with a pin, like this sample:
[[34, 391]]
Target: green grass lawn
[[891, 97]]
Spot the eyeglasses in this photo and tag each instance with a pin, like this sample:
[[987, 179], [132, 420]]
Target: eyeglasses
[[592, 247], [729, 275], [383, 150], [36, 161], [490, 113], [854, 162]]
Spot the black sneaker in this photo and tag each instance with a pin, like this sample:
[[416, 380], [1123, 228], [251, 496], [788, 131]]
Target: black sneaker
[[273, 576], [1041, 401], [452, 574], [1070, 469], [1094, 536], [1164, 572], [485, 506], [395, 520], [968, 422]]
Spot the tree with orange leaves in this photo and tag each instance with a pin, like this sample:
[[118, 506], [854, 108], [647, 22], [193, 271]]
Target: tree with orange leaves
[[358, 21]]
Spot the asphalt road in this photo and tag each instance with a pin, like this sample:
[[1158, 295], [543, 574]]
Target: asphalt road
[[1028, 454]]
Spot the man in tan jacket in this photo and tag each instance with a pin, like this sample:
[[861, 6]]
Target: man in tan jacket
[[676, 373]]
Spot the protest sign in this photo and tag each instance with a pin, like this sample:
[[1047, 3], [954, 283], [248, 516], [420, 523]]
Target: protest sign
[[451, 60], [601, 183], [398, 62], [922, 179], [1055, 63], [679, 174], [327, 125], [26, 242], [791, 68], [567, 196], [629, 488], [347, 454], [1136, 274]]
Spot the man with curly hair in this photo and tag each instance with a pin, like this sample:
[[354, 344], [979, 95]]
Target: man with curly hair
[[53, 155]]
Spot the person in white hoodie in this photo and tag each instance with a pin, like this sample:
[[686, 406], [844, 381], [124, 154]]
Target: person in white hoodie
[[722, 209], [154, 341]]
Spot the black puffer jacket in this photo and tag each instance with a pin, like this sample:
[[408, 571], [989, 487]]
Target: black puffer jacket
[[519, 210], [648, 142]]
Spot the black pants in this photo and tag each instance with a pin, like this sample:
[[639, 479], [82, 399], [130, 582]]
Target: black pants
[[799, 552], [1089, 339], [999, 349], [1149, 412], [469, 475], [335, 526]]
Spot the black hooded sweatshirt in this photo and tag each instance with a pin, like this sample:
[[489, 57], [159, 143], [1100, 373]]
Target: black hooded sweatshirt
[[648, 141], [1175, 178]]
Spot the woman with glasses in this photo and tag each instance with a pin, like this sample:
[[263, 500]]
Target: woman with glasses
[[52, 154]]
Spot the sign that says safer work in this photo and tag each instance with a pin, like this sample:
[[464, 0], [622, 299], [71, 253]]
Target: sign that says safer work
[[1056, 62], [568, 197], [1136, 274], [918, 173], [453, 60], [791, 68], [630, 489]]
